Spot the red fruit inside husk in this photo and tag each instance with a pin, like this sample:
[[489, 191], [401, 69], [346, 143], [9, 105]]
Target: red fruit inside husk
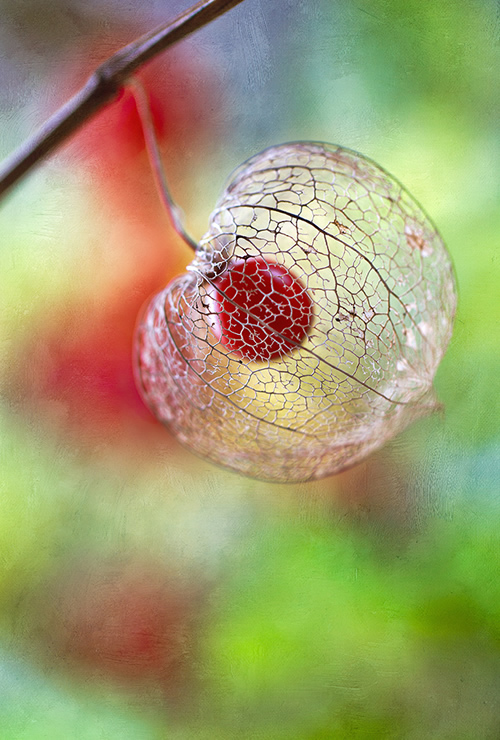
[[262, 311]]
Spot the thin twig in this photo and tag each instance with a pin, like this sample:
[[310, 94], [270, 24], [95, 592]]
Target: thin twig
[[103, 85]]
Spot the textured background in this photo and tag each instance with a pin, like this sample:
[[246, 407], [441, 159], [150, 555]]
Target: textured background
[[143, 592]]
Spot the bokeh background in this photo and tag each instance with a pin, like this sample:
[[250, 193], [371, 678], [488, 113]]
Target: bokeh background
[[143, 592]]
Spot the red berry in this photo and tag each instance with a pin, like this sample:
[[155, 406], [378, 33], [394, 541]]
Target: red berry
[[262, 310]]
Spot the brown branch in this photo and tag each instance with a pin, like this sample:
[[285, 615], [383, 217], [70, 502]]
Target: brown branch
[[103, 85]]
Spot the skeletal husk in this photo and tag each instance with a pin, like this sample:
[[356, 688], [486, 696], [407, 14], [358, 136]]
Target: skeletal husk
[[383, 292]]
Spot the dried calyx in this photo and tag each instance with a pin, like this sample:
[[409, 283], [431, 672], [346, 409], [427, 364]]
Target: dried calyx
[[311, 322]]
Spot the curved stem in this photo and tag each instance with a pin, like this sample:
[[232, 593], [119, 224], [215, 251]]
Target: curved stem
[[103, 85], [154, 155]]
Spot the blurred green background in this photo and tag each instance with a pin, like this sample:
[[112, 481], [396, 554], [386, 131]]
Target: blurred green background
[[143, 592]]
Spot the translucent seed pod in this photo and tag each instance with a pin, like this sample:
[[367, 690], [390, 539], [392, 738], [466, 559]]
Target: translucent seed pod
[[309, 327]]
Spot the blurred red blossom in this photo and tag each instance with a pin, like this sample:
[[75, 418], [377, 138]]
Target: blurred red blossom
[[78, 376], [122, 620]]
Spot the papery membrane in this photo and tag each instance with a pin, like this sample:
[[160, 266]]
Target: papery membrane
[[383, 294]]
